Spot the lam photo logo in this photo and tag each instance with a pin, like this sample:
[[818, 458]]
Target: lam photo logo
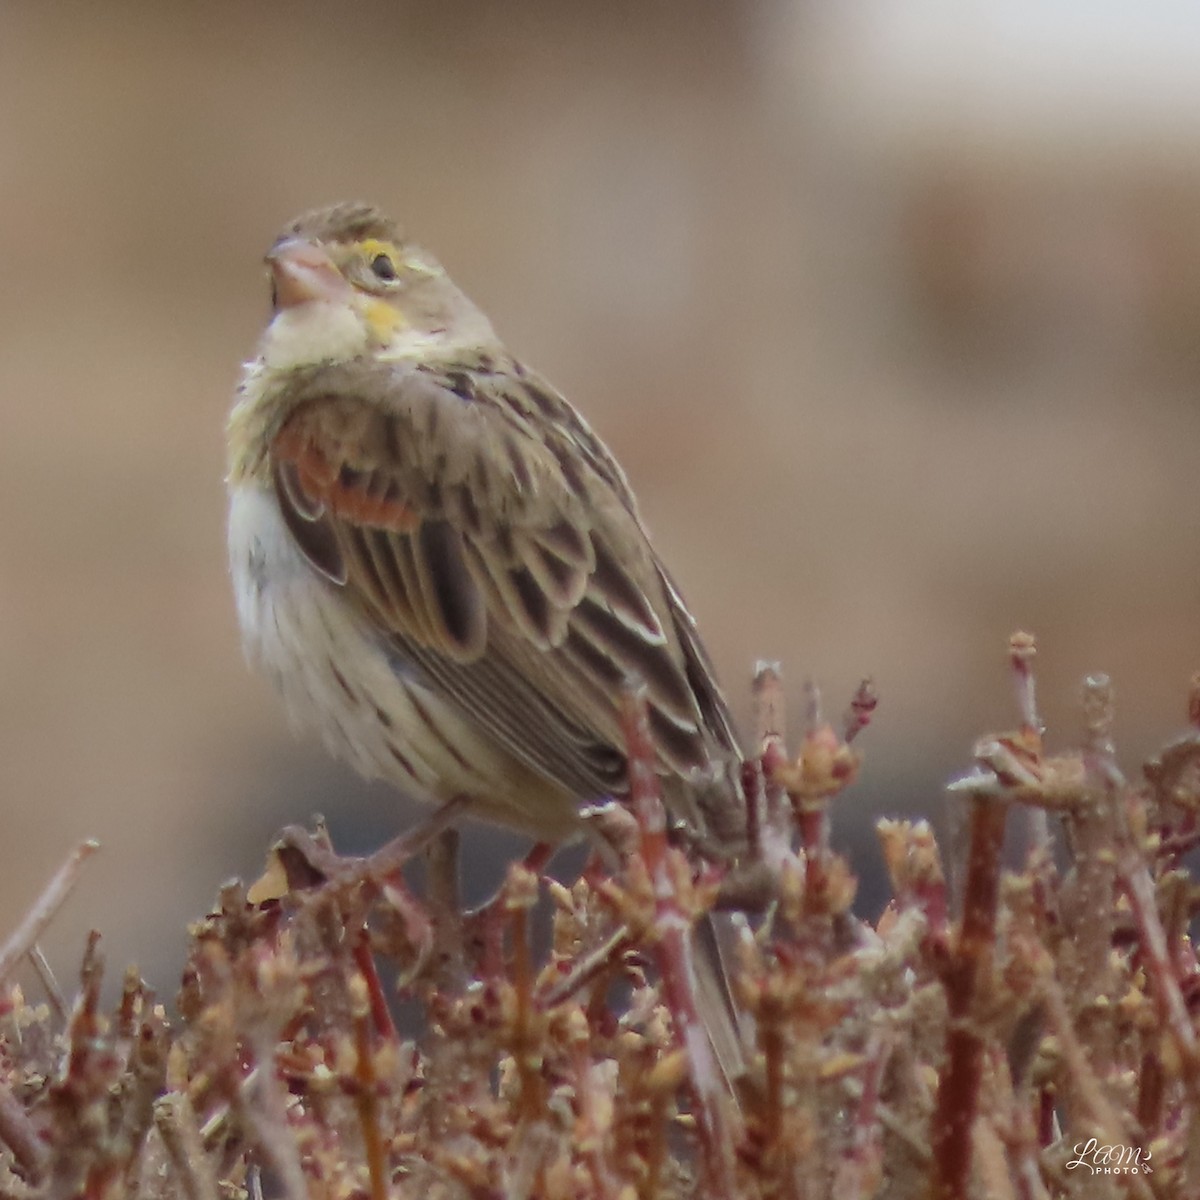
[[1110, 1160]]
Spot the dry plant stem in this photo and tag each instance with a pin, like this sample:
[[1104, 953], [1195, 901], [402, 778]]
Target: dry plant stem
[[656, 1156], [1089, 1091], [673, 945], [992, 1173], [861, 1165], [73, 1097], [281, 1060], [1091, 896], [772, 1046], [914, 1140], [1021, 1138], [176, 1123], [1151, 1094], [366, 1098], [523, 1174], [776, 830], [770, 709], [381, 1014], [521, 892], [592, 1134], [45, 975], [586, 969], [1022, 650], [44, 908], [967, 972], [1029, 1180], [753, 790], [862, 708], [262, 1111], [19, 1135], [1090, 900], [812, 816], [770, 722], [145, 1076], [1139, 887], [418, 927]]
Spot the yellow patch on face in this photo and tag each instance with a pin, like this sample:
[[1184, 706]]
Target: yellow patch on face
[[382, 318]]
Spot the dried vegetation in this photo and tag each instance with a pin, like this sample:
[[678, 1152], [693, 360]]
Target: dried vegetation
[[1030, 1033]]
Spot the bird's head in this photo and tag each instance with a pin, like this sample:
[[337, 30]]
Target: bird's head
[[345, 283]]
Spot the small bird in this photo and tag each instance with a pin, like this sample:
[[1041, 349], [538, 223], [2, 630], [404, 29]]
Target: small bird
[[440, 565], [443, 568]]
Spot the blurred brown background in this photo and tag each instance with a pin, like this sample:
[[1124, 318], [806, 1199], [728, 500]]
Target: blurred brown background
[[892, 316]]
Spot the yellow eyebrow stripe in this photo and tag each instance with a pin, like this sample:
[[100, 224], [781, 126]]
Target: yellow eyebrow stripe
[[373, 246]]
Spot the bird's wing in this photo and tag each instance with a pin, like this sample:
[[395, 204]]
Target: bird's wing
[[493, 541]]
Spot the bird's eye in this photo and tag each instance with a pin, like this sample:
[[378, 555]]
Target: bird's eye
[[383, 268]]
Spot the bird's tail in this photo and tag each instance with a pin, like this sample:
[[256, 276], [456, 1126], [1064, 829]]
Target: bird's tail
[[726, 1026]]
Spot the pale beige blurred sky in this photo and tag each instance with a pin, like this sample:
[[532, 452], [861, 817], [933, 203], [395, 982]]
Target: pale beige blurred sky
[[891, 312]]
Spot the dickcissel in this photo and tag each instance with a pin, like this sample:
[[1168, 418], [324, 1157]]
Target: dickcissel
[[437, 561]]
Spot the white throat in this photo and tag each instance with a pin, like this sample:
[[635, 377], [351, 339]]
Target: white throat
[[313, 333]]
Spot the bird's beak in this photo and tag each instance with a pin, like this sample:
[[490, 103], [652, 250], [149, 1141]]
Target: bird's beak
[[302, 271]]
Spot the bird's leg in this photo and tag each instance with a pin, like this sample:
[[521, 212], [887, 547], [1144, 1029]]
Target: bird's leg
[[302, 861], [390, 858], [443, 902], [475, 934]]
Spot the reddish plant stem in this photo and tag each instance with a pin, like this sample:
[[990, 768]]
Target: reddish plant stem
[[418, 928], [967, 971], [381, 1015], [1045, 1117], [1150, 1094], [753, 791], [774, 1050], [813, 822], [861, 1165], [862, 708], [539, 856]]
